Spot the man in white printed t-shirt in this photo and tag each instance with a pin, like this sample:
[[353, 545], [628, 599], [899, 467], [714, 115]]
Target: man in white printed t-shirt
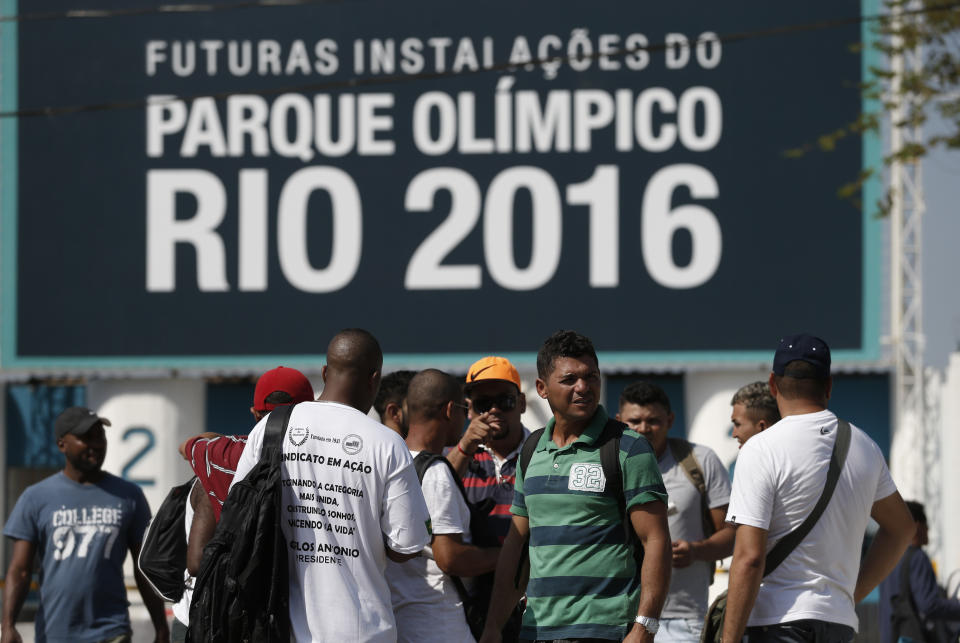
[[780, 475], [351, 498], [426, 602]]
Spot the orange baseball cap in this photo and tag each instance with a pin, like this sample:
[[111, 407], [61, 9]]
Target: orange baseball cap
[[493, 368]]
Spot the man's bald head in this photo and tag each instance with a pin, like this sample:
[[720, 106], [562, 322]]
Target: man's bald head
[[354, 349], [351, 375], [429, 392]]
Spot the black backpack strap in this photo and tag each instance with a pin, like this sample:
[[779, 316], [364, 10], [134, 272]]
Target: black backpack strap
[[789, 542], [273, 434], [425, 460], [609, 441], [526, 452]]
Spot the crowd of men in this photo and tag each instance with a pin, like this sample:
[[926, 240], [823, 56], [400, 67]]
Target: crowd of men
[[448, 520]]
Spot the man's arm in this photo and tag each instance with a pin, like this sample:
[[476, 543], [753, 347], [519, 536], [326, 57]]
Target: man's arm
[[746, 572], [476, 434], [16, 588], [201, 529], [896, 530], [649, 521], [457, 558], [182, 449], [151, 600], [717, 547], [506, 594], [930, 601]]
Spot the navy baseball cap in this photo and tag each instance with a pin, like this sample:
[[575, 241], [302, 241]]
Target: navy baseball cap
[[76, 420], [806, 348]]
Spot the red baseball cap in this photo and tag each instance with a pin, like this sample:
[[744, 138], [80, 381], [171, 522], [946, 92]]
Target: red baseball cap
[[287, 380]]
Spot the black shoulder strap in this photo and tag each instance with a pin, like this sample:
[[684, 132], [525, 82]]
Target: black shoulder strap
[[425, 460], [526, 452], [789, 542], [273, 434], [610, 461]]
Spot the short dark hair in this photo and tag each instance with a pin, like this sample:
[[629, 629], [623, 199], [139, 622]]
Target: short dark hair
[[393, 388], [804, 382], [278, 397], [758, 402], [644, 394], [429, 391], [917, 511], [563, 343]]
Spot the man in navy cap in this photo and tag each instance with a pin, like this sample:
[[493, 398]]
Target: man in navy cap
[[781, 475], [81, 521]]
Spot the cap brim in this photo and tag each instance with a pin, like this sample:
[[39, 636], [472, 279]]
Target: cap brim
[[87, 423]]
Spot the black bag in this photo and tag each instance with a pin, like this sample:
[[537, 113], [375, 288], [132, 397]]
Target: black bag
[[713, 622], [475, 605], [241, 591], [163, 554]]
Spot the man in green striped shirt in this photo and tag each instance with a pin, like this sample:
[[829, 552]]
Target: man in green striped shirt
[[583, 581]]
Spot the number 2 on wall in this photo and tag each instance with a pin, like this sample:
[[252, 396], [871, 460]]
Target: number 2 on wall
[[138, 455]]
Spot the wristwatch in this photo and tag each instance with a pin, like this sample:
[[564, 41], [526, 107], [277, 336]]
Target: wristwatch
[[649, 624]]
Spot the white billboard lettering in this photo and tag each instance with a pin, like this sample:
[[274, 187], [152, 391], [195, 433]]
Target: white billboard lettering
[[165, 230]]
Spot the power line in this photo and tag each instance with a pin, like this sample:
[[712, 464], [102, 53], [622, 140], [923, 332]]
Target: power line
[[368, 81], [86, 14]]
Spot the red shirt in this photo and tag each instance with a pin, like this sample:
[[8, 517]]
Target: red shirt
[[214, 461]]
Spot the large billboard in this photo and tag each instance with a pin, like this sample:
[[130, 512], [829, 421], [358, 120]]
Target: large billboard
[[459, 178]]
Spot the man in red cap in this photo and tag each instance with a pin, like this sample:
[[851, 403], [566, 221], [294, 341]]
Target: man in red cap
[[214, 457]]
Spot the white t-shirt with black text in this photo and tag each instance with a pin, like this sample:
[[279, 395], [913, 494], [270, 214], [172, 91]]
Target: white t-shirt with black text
[[425, 600], [779, 477], [349, 491]]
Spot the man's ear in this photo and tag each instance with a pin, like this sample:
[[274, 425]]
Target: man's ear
[[522, 402], [762, 425], [829, 387], [541, 388], [394, 411], [323, 373], [61, 446], [670, 418], [772, 383]]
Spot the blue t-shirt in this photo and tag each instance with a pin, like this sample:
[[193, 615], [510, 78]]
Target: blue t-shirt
[[82, 533]]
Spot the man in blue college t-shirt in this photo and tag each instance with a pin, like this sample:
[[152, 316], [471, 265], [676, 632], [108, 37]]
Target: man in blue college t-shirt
[[82, 521]]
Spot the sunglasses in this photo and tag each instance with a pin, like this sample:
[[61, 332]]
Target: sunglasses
[[505, 402]]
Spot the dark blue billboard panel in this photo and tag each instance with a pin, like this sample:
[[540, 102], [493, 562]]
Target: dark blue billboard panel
[[458, 178]]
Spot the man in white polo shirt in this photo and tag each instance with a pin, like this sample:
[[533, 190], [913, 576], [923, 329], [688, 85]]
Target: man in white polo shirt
[[351, 499], [780, 476]]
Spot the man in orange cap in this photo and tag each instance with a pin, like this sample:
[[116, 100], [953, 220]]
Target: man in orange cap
[[486, 458], [486, 455]]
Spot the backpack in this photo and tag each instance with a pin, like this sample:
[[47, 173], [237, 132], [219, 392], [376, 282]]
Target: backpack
[[241, 592], [682, 452], [163, 554], [474, 607]]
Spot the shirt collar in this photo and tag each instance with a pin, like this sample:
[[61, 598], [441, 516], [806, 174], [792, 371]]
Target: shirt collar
[[588, 437]]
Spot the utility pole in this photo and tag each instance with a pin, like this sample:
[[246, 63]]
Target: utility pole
[[910, 418]]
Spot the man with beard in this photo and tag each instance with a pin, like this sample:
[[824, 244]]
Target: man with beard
[[82, 521]]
